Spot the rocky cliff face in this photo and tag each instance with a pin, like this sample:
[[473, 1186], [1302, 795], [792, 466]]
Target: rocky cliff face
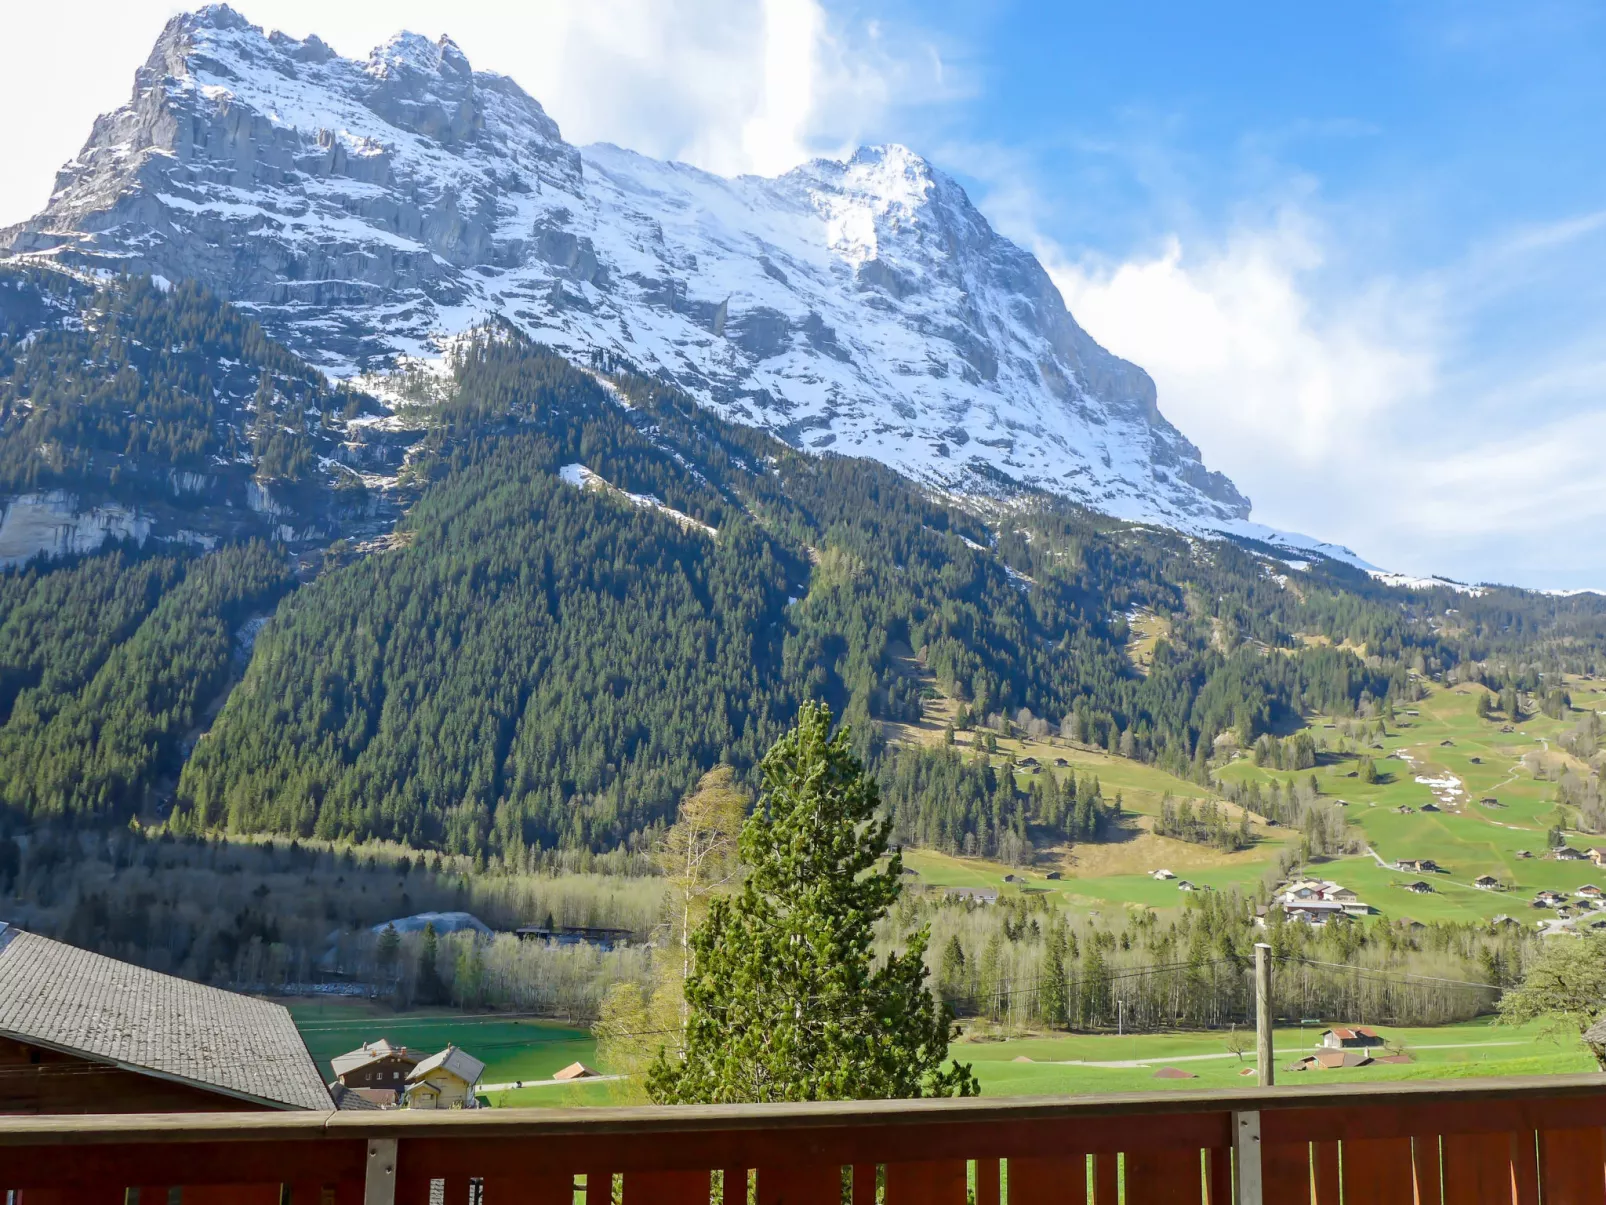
[[365, 210]]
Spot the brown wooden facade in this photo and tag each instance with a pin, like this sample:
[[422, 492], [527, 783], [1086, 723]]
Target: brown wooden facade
[[37, 1079], [1516, 1142]]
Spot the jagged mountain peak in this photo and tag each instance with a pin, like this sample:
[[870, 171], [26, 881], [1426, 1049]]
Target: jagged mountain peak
[[364, 209]]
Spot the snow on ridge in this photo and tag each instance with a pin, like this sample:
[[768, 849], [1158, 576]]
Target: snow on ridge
[[1410, 582], [861, 306], [583, 478]]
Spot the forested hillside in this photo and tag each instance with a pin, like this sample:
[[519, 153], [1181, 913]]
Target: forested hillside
[[167, 401], [600, 590]]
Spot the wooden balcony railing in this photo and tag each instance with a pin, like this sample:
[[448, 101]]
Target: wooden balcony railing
[[1518, 1142]]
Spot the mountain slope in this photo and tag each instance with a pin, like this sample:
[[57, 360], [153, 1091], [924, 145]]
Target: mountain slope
[[364, 209]]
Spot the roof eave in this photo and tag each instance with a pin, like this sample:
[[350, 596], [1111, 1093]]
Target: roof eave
[[155, 1073]]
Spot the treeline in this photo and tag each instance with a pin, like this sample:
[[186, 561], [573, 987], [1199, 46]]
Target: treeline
[[1022, 963], [943, 799], [1204, 823], [276, 916]]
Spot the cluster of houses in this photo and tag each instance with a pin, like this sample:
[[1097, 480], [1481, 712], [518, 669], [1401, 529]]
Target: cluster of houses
[[1346, 1046], [1581, 900], [382, 1076], [1317, 901]]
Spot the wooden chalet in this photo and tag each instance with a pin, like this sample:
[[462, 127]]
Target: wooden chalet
[[83, 1033]]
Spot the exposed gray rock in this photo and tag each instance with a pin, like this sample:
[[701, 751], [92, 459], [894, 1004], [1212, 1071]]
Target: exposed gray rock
[[366, 209]]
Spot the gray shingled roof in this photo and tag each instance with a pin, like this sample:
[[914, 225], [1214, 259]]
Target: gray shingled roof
[[59, 996]]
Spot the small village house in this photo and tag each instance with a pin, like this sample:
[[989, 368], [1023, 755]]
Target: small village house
[[1420, 888], [447, 1080], [1566, 853], [375, 1071], [1597, 855], [1419, 865], [1487, 882]]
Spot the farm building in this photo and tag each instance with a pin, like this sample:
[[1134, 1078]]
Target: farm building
[[1420, 888], [1331, 1060], [1525, 853], [1566, 853], [1590, 892], [376, 1066], [1487, 882], [574, 1071], [1420, 865], [1161, 874], [83, 1033], [445, 1081], [1353, 1037], [1184, 885]]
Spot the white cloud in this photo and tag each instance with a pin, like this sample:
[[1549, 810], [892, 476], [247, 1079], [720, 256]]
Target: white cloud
[[1398, 416], [730, 85], [1244, 359]]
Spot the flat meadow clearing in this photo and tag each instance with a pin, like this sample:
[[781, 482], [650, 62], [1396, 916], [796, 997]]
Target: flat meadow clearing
[[1081, 1063], [512, 1048]]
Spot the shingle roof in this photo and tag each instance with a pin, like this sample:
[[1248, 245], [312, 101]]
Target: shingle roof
[[459, 1062], [370, 1052], [57, 995]]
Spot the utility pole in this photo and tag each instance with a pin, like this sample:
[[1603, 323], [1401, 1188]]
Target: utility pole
[[1120, 1017], [1263, 1055]]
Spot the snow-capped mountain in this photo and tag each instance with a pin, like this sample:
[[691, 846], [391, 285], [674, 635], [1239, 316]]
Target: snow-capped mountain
[[366, 209]]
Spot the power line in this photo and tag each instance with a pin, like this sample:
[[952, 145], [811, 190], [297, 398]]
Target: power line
[[1378, 973]]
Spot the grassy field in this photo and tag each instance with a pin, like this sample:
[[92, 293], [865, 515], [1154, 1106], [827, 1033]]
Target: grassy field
[[1047, 1066], [1438, 752], [512, 1048], [1059, 1064]]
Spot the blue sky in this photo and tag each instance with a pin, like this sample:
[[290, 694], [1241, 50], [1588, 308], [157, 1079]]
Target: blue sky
[[1359, 247]]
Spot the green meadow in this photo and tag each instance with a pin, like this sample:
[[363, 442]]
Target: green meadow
[[512, 1048], [1443, 739], [1044, 1066]]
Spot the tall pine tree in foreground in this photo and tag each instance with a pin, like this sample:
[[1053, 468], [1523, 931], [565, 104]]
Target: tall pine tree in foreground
[[786, 1000]]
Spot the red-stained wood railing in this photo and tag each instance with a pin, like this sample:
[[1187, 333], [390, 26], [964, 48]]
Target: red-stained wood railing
[[1517, 1142]]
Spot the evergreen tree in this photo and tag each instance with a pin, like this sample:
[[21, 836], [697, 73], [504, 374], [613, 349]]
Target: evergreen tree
[[430, 988], [1055, 1002], [785, 1001]]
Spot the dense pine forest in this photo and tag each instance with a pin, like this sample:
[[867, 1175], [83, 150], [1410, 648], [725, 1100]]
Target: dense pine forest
[[598, 591]]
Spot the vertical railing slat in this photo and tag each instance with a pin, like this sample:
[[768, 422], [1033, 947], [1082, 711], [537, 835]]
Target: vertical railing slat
[[804, 1184], [539, 1188], [663, 1188], [599, 1188], [1164, 1177], [989, 1184], [1218, 1176], [1524, 1168], [936, 1183], [1047, 1181], [1106, 1179], [864, 1183], [1324, 1172], [1285, 1173], [1477, 1168], [1379, 1171], [1572, 1167]]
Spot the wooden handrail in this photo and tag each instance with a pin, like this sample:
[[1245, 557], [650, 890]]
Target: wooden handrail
[[1459, 1141]]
